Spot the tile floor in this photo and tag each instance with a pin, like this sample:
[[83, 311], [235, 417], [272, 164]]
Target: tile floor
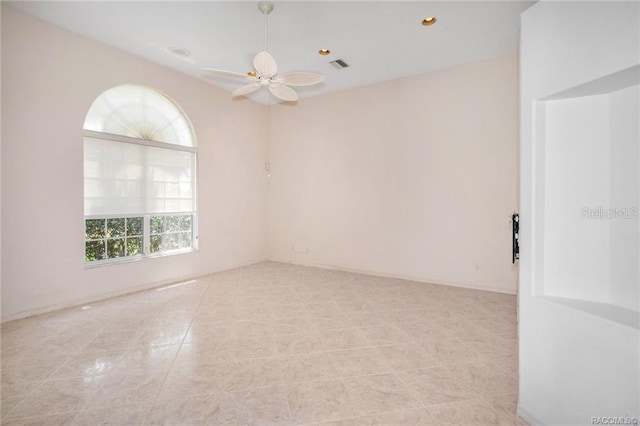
[[268, 344]]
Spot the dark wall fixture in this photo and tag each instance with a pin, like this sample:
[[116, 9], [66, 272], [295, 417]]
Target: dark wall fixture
[[515, 236]]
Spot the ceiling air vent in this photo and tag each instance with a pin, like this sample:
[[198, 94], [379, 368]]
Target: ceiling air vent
[[339, 63]]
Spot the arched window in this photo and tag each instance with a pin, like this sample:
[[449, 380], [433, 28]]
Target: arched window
[[139, 176]]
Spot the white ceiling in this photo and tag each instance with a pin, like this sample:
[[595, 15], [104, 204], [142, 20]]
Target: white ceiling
[[379, 40]]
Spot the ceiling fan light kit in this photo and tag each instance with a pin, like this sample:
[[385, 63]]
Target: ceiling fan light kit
[[266, 69]]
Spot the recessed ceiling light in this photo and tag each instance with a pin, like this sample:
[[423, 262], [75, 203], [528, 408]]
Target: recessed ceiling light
[[429, 21], [180, 51], [324, 52], [251, 73]]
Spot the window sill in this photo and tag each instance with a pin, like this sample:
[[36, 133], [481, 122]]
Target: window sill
[[132, 259]]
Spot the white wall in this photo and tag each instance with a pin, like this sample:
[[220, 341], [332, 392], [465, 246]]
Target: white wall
[[625, 188], [577, 176], [591, 218], [574, 364], [50, 78], [0, 163], [415, 177]]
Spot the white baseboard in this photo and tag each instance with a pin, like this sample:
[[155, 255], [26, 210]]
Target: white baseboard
[[397, 276], [103, 296]]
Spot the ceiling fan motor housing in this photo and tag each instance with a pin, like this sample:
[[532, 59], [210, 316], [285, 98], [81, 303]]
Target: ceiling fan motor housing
[[265, 6]]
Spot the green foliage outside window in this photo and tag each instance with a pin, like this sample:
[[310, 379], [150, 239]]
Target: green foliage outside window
[[112, 238], [170, 233]]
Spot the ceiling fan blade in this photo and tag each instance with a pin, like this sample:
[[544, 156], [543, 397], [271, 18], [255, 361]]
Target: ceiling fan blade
[[283, 92], [223, 73], [245, 90], [264, 64], [299, 78]]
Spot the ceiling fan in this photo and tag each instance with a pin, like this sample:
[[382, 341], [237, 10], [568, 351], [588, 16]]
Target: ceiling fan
[[265, 71]]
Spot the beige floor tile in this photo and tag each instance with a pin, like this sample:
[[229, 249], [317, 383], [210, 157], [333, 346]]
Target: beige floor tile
[[161, 337], [149, 359], [91, 363], [348, 338], [323, 310], [110, 340], [131, 319], [189, 380], [57, 397], [256, 312], [438, 385], [21, 342], [200, 353], [450, 350], [358, 362], [308, 367], [384, 335], [302, 343], [30, 367], [177, 318], [487, 377], [494, 347], [505, 404], [13, 393], [412, 417], [367, 318], [335, 322], [380, 393], [268, 344], [50, 420], [201, 332], [267, 406], [291, 325], [69, 340], [321, 401], [497, 325], [128, 388], [195, 411], [465, 413], [425, 330], [251, 347], [213, 314], [407, 356], [250, 328], [114, 416], [232, 349], [252, 374]]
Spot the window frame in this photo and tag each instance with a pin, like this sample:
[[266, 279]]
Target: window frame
[[146, 238], [146, 216]]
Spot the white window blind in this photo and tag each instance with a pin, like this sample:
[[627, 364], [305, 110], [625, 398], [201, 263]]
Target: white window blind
[[125, 178]]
